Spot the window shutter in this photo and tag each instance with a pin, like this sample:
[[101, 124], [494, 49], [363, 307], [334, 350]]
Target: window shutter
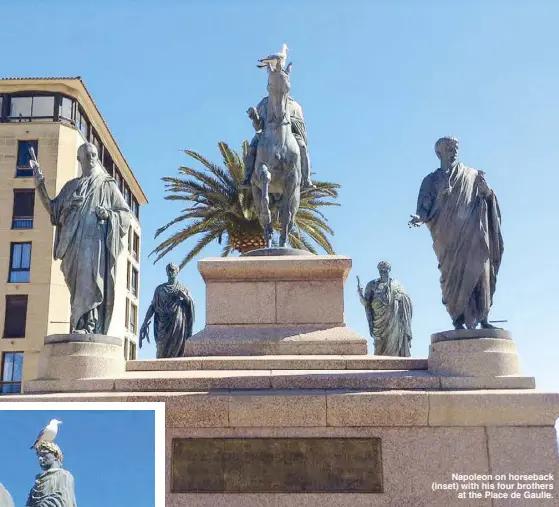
[[24, 203], [16, 316]]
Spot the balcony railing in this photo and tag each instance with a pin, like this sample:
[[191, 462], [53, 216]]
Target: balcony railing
[[24, 172], [10, 387], [19, 276], [22, 223]]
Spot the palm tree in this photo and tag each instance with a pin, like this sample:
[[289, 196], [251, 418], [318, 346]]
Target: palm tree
[[222, 211]]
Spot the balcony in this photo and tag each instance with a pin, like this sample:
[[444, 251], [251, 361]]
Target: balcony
[[10, 388], [22, 223]]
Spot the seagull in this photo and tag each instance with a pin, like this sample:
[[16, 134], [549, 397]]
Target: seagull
[[49, 433], [276, 60]]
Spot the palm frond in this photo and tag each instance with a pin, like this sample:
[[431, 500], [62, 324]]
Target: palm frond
[[219, 210], [204, 241]]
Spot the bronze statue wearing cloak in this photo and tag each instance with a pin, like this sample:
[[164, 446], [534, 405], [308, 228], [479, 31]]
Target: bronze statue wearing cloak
[[91, 219], [462, 213], [173, 309], [389, 312], [54, 487]]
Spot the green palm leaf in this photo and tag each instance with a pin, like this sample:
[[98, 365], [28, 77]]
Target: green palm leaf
[[219, 210]]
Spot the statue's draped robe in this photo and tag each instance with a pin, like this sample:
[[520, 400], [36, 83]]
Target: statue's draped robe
[[296, 115], [466, 231], [174, 319], [53, 488], [89, 248], [389, 316], [5, 497]]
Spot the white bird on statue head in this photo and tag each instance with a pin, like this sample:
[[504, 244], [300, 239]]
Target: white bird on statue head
[[48, 434], [276, 60]]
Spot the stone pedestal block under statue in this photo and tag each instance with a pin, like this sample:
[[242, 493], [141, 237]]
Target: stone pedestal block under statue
[[275, 305]]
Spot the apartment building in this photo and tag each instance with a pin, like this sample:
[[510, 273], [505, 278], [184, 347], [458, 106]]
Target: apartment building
[[54, 116]]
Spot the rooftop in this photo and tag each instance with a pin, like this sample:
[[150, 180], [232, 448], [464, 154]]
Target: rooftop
[[75, 87]]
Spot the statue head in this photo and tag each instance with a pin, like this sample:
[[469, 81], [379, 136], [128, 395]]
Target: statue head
[[49, 454], [172, 272], [446, 149], [88, 157], [384, 269]]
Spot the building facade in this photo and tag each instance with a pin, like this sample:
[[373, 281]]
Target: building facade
[[54, 117]]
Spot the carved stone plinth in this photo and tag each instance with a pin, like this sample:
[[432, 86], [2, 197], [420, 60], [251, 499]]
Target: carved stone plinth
[[473, 353], [275, 305], [69, 357]]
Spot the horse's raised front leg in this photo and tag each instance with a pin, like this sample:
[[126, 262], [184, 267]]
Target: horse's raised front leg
[[262, 201]]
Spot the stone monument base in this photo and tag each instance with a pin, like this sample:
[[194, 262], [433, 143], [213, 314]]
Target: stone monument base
[[474, 353], [275, 340], [275, 304], [333, 430], [67, 357]]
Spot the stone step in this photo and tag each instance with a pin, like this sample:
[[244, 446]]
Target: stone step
[[314, 362], [202, 380], [276, 408], [270, 380]]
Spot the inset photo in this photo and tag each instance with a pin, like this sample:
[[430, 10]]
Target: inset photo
[[81, 454]]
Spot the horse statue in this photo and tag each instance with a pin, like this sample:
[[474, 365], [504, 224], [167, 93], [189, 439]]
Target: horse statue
[[277, 167]]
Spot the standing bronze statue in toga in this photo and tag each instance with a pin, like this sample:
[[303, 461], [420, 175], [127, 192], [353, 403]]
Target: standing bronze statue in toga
[[462, 213]]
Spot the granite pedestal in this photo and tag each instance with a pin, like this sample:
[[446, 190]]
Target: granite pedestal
[[325, 429], [68, 359], [275, 305]]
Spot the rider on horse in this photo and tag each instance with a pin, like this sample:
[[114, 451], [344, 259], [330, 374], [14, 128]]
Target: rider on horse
[[258, 117]]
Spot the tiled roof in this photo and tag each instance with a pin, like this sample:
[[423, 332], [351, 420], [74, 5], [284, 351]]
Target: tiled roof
[[37, 78]]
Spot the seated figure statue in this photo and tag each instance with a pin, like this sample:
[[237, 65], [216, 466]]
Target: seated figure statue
[[55, 486]]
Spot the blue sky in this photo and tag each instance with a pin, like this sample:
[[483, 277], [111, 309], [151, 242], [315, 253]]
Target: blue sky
[[379, 83], [110, 453]]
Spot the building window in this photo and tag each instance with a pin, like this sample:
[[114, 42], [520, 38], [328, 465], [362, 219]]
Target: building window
[[130, 236], [24, 208], [67, 109], [23, 169], [134, 281], [12, 372], [127, 314], [25, 108], [20, 263], [16, 316], [20, 108], [82, 123], [132, 350], [127, 196], [108, 162], [133, 318], [119, 180], [136, 247], [98, 145], [43, 107], [126, 341], [135, 208]]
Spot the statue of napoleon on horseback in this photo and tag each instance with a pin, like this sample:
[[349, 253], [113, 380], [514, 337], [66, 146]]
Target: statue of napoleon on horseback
[[277, 163]]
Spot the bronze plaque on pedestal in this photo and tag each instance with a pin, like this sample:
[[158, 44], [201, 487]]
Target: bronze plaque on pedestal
[[276, 465]]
